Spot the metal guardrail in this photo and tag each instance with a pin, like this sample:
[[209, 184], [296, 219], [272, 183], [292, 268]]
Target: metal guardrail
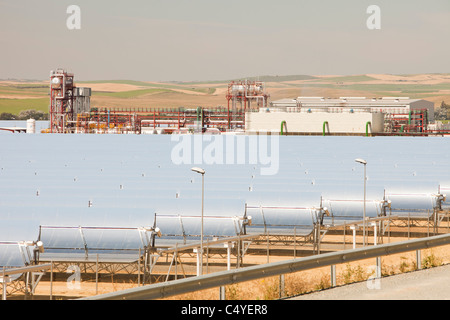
[[176, 287], [12, 271]]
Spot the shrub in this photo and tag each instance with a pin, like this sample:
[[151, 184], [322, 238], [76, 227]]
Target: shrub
[[32, 114], [8, 116], [431, 261]]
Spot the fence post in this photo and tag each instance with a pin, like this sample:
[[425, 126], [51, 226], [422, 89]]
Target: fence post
[[4, 278], [139, 267], [378, 272], [222, 295], [295, 242], [96, 275], [282, 286], [419, 259], [333, 275], [51, 280]]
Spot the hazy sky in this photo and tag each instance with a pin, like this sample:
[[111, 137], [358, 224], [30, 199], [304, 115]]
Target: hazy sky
[[184, 40]]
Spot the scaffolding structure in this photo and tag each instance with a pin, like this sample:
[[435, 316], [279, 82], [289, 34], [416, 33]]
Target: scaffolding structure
[[414, 122], [157, 120], [240, 96], [66, 101], [61, 100]]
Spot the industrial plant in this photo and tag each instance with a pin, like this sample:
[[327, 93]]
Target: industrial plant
[[99, 192], [249, 110]]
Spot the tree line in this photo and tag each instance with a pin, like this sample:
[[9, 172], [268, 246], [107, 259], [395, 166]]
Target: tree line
[[443, 113], [25, 115]]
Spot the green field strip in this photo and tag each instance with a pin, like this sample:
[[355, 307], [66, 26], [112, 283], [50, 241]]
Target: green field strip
[[14, 106]]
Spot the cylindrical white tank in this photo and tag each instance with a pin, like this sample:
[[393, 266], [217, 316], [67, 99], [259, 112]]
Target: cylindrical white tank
[[56, 82], [31, 126], [237, 89]]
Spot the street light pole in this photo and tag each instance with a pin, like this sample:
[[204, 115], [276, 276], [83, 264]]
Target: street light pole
[[364, 212], [202, 172], [201, 231], [364, 162]]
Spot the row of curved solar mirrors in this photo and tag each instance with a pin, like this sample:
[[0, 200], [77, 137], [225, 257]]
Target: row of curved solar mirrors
[[84, 243], [108, 194]]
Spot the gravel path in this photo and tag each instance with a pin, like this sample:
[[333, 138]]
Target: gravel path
[[428, 284]]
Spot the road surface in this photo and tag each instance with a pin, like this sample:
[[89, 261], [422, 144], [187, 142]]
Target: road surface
[[428, 284]]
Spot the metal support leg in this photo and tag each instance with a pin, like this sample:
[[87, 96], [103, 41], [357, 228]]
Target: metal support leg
[[4, 288], [353, 228], [199, 261], [374, 225], [4, 280], [51, 281], [35, 281], [228, 245]]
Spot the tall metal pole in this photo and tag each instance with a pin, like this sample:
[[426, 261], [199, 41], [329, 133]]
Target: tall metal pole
[[364, 162], [4, 278], [364, 212], [202, 172], [201, 244]]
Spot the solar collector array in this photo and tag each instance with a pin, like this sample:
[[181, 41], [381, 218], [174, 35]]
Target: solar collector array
[[124, 180]]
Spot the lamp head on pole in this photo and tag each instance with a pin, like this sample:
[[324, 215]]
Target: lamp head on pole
[[362, 161], [198, 170]]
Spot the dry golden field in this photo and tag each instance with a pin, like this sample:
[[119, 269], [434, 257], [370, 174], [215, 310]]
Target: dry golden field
[[20, 95]]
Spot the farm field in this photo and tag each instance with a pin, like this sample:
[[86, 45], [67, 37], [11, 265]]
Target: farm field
[[18, 95]]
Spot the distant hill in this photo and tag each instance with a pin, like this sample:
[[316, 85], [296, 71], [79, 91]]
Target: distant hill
[[280, 78], [266, 78], [19, 95]]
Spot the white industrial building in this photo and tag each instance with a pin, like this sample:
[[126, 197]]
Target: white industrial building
[[387, 104], [344, 115], [315, 122]]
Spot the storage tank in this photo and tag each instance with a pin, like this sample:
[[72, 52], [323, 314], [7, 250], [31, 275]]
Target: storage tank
[[255, 89], [238, 89], [31, 126], [56, 82]]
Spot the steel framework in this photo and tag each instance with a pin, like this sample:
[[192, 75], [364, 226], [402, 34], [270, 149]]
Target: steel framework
[[240, 95], [157, 120], [414, 122], [61, 100]]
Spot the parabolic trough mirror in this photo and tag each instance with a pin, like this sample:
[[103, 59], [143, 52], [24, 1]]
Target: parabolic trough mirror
[[109, 193]]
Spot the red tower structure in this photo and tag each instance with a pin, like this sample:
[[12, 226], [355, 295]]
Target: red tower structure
[[241, 95], [61, 101]]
